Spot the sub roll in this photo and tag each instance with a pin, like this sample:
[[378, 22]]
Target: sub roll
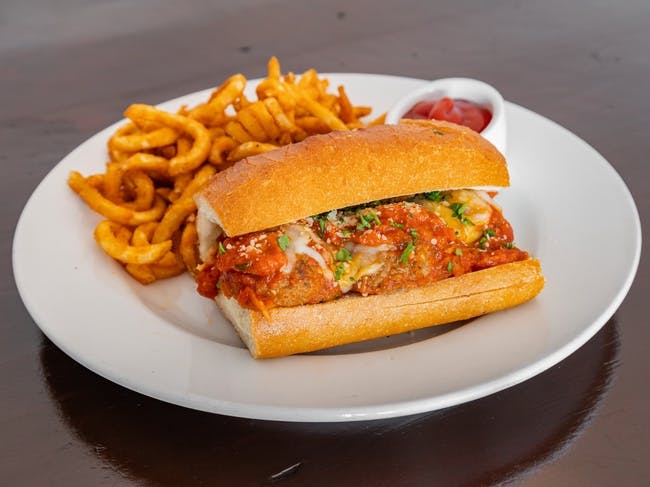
[[355, 235]]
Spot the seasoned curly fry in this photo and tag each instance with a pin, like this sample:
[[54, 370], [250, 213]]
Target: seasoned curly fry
[[250, 149], [148, 140], [158, 160], [105, 235], [189, 247], [181, 162], [110, 210]]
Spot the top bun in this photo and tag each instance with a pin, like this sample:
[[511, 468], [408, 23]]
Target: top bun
[[345, 168]]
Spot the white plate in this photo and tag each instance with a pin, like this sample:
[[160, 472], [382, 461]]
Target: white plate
[[568, 206]]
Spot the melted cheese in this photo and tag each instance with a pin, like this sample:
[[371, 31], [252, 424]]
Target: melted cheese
[[365, 261], [208, 234], [299, 238], [479, 208]]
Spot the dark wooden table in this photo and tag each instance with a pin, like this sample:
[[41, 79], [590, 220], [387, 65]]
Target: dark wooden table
[[70, 70]]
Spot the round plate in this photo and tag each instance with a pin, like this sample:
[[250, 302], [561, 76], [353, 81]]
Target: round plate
[[567, 205]]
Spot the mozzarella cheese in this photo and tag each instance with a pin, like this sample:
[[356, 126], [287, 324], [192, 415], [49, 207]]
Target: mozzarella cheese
[[299, 238], [478, 210], [365, 261]]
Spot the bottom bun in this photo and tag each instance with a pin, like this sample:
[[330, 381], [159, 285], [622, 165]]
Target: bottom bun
[[355, 318]]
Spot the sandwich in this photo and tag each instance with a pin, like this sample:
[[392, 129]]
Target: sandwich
[[355, 235]]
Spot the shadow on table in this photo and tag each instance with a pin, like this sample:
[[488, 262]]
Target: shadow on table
[[492, 440]]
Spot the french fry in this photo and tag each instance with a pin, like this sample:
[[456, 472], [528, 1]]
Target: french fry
[[273, 67], [347, 110], [250, 149], [252, 125], [221, 146], [176, 268], [113, 182], [200, 148], [312, 125], [199, 179], [141, 237], [105, 235], [141, 273], [281, 119], [173, 219], [110, 210], [189, 247], [237, 132], [318, 110], [143, 233], [209, 113], [262, 115], [147, 140], [183, 146], [143, 188], [183, 207], [180, 183], [145, 162]]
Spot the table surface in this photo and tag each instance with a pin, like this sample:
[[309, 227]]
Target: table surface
[[69, 70]]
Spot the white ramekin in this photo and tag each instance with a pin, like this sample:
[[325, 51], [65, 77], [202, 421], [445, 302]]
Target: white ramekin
[[465, 88]]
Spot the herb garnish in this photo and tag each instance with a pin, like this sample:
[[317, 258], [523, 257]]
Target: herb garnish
[[450, 267], [458, 251], [321, 219], [343, 255], [457, 210], [339, 271], [221, 249], [487, 233], [366, 220], [408, 250], [509, 245], [284, 241], [435, 196]]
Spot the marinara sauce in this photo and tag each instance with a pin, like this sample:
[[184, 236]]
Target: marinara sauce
[[462, 112], [406, 243]]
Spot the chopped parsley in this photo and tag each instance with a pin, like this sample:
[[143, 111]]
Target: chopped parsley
[[458, 251], [397, 224], [221, 249], [414, 233], [450, 267], [487, 234], [457, 211], [408, 250], [284, 241], [321, 219], [367, 219], [343, 255], [338, 273], [435, 196]]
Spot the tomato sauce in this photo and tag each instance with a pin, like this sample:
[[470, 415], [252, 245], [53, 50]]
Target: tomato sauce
[[411, 244], [462, 112]]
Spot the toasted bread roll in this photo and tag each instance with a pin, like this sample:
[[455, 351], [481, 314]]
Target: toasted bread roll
[[347, 168]]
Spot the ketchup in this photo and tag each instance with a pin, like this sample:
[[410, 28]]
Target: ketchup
[[462, 112]]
